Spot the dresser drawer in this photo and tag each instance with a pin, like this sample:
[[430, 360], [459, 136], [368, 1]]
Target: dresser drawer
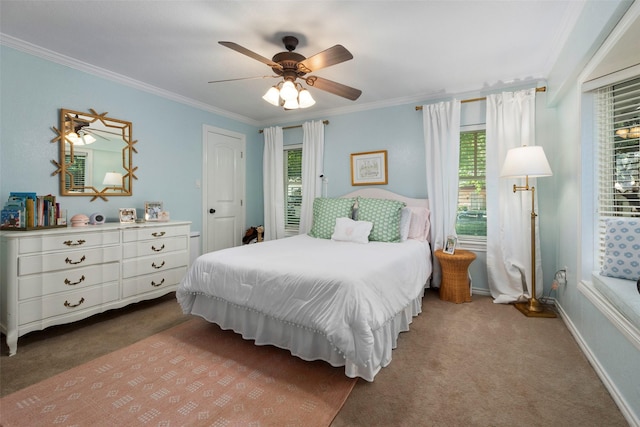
[[60, 242], [153, 247], [37, 285], [39, 309], [153, 264], [150, 282], [67, 260], [150, 233]]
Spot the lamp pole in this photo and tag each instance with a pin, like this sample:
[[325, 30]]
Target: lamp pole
[[532, 308]]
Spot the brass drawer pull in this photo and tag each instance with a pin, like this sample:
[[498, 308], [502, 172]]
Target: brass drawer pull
[[157, 266], [68, 261], [66, 303], [68, 282], [78, 242], [153, 248], [157, 284], [156, 234]]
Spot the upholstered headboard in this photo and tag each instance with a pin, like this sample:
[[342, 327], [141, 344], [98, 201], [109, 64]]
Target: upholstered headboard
[[379, 193]]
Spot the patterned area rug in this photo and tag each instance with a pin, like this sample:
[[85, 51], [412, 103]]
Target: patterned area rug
[[193, 374]]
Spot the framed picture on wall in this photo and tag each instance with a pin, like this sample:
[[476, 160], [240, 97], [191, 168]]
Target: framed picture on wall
[[152, 211], [369, 168]]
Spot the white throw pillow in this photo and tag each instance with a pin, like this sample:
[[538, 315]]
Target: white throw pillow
[[348, 230]]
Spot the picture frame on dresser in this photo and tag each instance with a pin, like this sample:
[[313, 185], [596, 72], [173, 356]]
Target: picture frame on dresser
[[152, 211], [127, 216], [450, 245]]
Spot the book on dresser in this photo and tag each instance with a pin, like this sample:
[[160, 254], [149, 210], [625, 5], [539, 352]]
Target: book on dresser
[[27, 211]]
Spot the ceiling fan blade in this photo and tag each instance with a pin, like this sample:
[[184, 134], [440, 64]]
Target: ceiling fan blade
[[94, 130], [242, 78], [334, 87], [250, 54], [332, 56], [90, 132]]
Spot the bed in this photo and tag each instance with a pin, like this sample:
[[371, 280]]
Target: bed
[[340, 299]]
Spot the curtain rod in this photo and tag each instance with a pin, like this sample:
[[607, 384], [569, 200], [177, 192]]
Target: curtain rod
[[464, 101], [324, 122]]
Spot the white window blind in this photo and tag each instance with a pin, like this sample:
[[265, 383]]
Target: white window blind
[[618, 137], [293, 188], [472, 194], [76, 168]]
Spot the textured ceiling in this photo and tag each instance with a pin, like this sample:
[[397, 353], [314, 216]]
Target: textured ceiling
[[404, 51]]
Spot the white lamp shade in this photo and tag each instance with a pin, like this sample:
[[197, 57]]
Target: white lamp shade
[[288, 91], [85, 138], [112, 179], [291, 104], [525, 161], [305, 99], [272, 96]]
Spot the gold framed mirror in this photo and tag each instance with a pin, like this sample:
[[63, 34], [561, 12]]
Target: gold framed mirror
[[95, 155]]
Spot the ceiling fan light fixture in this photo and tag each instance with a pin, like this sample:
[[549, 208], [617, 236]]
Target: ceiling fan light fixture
[[291, 104], [272, 96], [85, 138], [305, 99], [288, 92]]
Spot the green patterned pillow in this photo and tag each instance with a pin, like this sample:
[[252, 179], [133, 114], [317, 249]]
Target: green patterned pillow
[[385, 216], [325, 212]]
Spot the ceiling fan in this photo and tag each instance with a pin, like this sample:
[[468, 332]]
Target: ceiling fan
[[292, 66], [80, 132]]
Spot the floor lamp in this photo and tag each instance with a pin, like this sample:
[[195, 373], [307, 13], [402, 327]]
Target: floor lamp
[[529, 162]]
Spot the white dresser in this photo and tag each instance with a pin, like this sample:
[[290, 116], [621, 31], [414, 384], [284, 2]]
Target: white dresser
[[55, 276]]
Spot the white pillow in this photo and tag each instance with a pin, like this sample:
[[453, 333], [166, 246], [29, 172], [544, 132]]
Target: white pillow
[[348, 230], [405, 223]]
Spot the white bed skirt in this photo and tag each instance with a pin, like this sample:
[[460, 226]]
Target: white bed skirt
[[304, 343]]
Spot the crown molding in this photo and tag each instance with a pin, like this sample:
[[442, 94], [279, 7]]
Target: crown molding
[[70, 62]]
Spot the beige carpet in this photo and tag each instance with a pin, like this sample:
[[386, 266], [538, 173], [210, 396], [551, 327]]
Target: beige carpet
[[192, 374], [472, 364]]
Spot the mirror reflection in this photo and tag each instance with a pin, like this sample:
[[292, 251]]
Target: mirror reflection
[[95, 155]]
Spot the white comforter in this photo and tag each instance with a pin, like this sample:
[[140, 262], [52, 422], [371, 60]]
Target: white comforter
[[343, 290]]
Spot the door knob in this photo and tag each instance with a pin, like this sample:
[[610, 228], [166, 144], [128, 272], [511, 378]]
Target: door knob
[[212, 211]]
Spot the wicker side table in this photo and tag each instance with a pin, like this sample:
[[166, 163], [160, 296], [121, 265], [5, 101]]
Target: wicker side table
[[455, 275]]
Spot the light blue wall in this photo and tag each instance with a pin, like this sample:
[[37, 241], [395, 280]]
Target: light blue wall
[[568, 220], [169, 135], [170, 142]]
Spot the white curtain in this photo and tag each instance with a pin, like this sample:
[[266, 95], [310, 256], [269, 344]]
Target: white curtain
[[441, 124], [510, 124], [312, 166], [273, 183]]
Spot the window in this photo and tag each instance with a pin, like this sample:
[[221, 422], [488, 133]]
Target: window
[[472, 193], [617, 115], [293, 188], [77, 169]]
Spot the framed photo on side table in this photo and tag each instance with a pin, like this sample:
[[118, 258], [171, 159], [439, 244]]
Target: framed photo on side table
[[152, 211], [369, 168], [127, 215], [450, 245]]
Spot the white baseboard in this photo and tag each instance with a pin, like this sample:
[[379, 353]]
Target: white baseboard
[[620, 401], [481, 291]]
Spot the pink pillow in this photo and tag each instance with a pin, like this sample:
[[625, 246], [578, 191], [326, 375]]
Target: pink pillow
[[420, 225]]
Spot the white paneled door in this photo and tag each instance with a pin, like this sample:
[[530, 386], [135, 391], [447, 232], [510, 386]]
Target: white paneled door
[[223, 188]]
